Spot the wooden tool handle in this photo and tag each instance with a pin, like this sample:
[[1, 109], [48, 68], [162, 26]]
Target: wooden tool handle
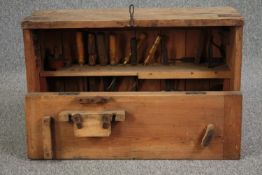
[[208, 136], [80, 47], [141, 39], [92, 56], [102, 49], [152, 50], [112, 49]]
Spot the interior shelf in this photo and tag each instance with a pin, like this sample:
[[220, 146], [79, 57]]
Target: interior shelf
[[155, 71]]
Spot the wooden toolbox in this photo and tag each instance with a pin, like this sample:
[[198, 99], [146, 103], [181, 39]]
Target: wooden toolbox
[[134, 83]]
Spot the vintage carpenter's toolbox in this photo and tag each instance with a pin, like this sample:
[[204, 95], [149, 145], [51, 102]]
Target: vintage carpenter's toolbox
[[134, 83]]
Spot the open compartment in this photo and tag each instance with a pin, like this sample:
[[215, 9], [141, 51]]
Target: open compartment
[[208, 46], [151, 56]]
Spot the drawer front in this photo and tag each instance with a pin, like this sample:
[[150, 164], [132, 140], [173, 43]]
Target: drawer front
[[160, 125]]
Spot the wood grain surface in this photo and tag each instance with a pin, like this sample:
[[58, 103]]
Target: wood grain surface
[[156, 71], [144, 17], [160, 125]]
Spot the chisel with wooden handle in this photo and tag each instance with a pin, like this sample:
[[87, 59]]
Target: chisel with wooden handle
[[80, 47], [112, 49], [152, 50]]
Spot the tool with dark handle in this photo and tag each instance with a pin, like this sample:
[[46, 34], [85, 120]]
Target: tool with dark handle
[[133, 48], [91, 43], [140, 40], [164, 50], [102, 49]]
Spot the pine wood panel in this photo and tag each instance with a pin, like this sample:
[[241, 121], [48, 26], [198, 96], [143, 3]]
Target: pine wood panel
[[236, 59], [233, 122], [32, 61], [161, 125], [193, 39], [144, 17]]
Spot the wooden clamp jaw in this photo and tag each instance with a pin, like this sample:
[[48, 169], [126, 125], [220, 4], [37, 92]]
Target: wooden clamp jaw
[[92, 124]]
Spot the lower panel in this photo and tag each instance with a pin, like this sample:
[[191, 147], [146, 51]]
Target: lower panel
[[159, 125]]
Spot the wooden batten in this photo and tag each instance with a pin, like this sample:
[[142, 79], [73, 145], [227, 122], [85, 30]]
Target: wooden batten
[[181, 71], [47, 137], [236, 60], [32, 62]]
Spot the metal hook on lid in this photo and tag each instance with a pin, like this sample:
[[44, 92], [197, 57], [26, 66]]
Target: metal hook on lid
[[131, 13]]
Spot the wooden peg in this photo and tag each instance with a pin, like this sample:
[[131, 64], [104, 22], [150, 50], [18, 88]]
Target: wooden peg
[[78, 120], [106, 120], [208, 136]]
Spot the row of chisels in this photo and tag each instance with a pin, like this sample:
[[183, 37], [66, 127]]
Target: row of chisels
[[103, 48]]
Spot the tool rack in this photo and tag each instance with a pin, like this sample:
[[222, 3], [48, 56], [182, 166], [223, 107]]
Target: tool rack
[[137, 83]]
